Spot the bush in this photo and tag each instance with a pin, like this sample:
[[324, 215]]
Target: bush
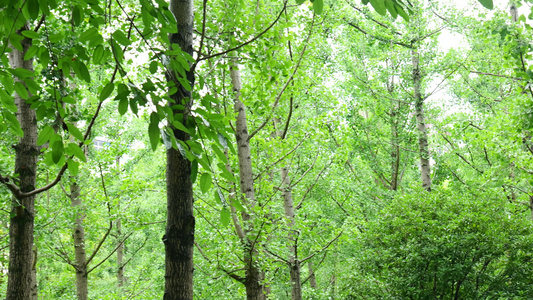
[[442, 245]]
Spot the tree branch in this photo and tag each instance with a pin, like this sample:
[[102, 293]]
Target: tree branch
[[323, 248], [245, 43]]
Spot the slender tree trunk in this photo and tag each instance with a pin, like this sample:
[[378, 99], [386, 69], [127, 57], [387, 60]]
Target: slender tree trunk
[[34, 287], [120, 254], [21, 256], [395, 147], [78, 231], [179, 232], [79, 242], [312, 277], [294, 263], [120, 246], [421, 124], [253, 276]]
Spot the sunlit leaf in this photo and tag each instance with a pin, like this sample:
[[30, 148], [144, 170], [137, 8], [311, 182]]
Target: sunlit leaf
[[205, 182]]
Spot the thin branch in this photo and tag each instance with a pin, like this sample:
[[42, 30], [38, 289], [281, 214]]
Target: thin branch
[[229, 273], [108, 256], [277, 256], [323, 248], [245, 43], [377, 37], [291, 78], [21, 195], [100, 244], [372, 19], [288, 119], [134, 252], [202, 36], [337, 202], [295, 183], [496, 75], [461, 156], [283, 157], [311, 187]]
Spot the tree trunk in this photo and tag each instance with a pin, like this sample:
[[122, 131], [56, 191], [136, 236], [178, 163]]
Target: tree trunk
[[312, 277], [179, 232], [120, 246], [21, 256], [34, 287], [79, 243], [120, 254], [421, 124], [253, 276], [294, 264], [395, 148]]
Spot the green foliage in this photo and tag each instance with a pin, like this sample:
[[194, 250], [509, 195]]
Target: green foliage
[[445, 244]]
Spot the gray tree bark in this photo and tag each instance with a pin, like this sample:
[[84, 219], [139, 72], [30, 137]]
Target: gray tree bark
[[78, 233], [179, 232], [312, 277], [253, 275], [425, 172], [34, 286], [120, 254], [288, 205], [21, 226]]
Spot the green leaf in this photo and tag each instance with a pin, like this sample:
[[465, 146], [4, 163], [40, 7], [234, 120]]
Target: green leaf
[[153, 67], [487, 3], [194, 171], [300, 1], [133, 106], [153, 130], [106, 91], [32, 51], [13, 123], [16, 40], [21, 73], [180, 126], [121, 38], [21, 90], [44, 136], [185, 83], [56, 37], [318, 6], [82, 71], [391, 8], [90, 34], [205, 182], [57, 151], [402, 12], [75, 132], [73, 149], [238, 206], [73, 167], [123, 106], [76, 15], [7, 101], [224, 216], [225, 173], [44, 56], [117, 52], [98, 54], [33, 8], [220, 154], [30, 34], [68, 99], [32, 86], [379, 6]]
